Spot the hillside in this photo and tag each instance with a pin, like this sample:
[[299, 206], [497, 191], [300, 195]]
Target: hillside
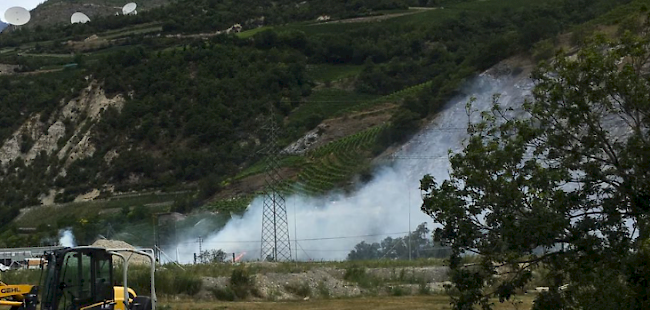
[[59, 11], [170, 101]]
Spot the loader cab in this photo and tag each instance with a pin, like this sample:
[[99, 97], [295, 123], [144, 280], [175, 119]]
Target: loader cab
[[78, 278]]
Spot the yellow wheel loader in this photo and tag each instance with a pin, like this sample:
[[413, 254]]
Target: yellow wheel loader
[[80, 278]]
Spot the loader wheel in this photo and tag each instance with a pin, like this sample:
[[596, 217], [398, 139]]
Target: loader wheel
[[141, 303]]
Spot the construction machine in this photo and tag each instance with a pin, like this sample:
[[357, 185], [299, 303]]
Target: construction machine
[[80, 278]]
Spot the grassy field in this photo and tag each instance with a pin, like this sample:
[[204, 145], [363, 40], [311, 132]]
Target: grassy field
[[379, 303]]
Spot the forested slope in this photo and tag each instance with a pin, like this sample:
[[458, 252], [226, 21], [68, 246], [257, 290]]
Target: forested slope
[[184, 112]]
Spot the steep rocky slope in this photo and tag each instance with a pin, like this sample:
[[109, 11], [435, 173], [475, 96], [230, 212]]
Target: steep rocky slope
[[47, 134]]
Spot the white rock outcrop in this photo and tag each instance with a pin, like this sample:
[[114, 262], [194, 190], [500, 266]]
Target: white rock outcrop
[[45, 134]]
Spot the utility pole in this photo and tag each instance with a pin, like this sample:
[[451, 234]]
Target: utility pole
[[295, 231], [155, 238], [409, 210], [199, 257]]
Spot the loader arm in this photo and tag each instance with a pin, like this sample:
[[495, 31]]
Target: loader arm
[[22, 296]]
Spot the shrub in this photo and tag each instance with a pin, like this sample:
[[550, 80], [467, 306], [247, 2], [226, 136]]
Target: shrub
[[224, 293], [323, 290], [631, 23], [358, 274], [274, 295], [241, 283], [397, 291], [23, 276], [423, 288], [543, 50], [354, 273], [169, 281], [579, 35], [300, 289], [187, 283]]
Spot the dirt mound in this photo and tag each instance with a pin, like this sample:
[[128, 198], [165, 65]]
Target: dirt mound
[[289, 286], [134, 259], [318, 281], [329, 282]]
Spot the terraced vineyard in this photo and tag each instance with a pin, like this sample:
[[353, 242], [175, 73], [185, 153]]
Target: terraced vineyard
[[335, 163], [321, 170]]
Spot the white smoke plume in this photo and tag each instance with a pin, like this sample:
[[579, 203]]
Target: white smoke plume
[[66, 238], [327, 228]]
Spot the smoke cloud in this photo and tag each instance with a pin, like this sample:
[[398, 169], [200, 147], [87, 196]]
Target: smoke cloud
[[66, 238], [328, 228]]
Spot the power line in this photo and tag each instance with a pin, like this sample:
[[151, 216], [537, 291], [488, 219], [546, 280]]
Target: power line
[[442, 157], [303, 239], [328, 101], [352, 237], [256, 249], [324, 250]]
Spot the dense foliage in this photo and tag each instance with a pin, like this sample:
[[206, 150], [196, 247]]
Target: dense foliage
[[418, 242], [571, 178], [205, 97]]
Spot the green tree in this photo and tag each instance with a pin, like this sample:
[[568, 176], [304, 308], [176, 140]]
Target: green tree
[[571, 178], [212, 256], [365, 250], [139, 213], [398, 248]]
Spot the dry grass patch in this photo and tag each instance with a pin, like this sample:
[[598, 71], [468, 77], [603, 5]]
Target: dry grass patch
[[378, 303]]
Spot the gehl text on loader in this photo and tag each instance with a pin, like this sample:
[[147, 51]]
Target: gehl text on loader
[[80, 278]]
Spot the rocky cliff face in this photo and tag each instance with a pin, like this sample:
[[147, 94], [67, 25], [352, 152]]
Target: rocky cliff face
[[67, 133]]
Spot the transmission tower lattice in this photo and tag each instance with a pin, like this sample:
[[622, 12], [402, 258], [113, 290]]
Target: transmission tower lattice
[[275, 228]]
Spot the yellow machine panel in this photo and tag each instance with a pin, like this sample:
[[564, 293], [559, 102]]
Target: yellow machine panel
[[12, 295]]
